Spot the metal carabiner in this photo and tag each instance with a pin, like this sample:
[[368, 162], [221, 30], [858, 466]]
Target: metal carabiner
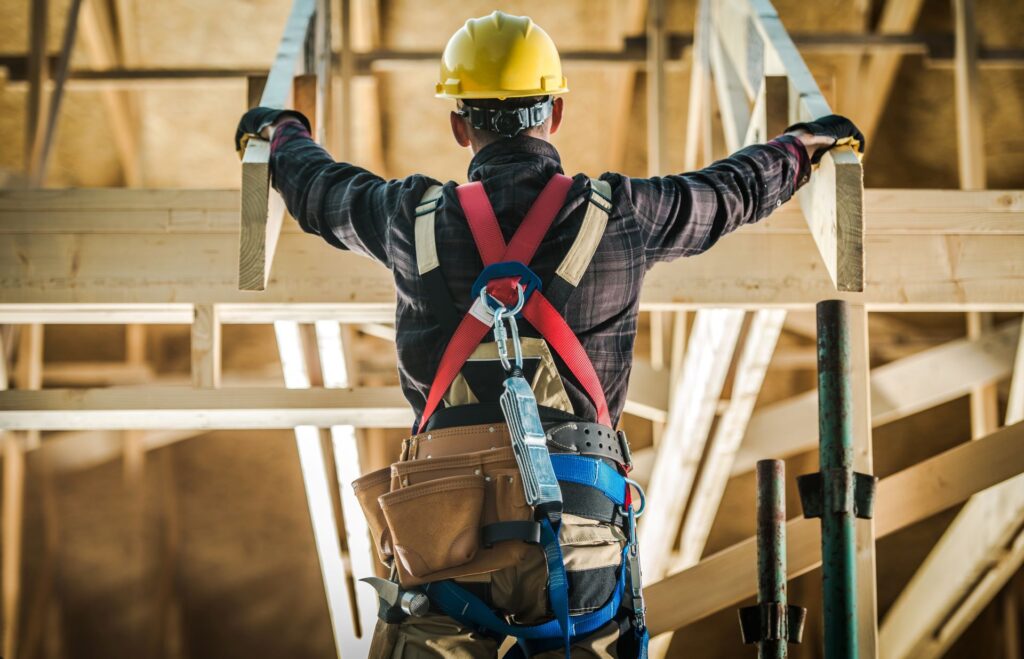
[[500, 335], [643, 497]]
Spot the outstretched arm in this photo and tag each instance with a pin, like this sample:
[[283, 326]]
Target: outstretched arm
[[685, 214], [349, 207]]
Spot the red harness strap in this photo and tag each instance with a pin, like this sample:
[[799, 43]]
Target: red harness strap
[[538, 311]]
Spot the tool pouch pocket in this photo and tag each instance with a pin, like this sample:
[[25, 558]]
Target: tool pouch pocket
[[435, 525], [367, 490]]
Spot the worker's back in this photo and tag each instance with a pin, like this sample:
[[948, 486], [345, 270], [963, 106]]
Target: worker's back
[[602, 311]]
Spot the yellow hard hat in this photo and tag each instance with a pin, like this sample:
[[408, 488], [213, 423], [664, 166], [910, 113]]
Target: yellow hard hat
[[500, 56]]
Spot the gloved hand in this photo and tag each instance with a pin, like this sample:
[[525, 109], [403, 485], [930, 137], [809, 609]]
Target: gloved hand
[[255, 120], [840, 129]]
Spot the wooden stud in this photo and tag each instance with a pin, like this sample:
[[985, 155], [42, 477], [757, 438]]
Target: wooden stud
[[690, 414], [984, 397], [42, 142], [337, 363], [206, 347], [619, 134], [30, 371], [750, 371], [732, 99], [346, 73], [35, 100], [698, 113], [929, 487], [318, 494], [897, 17], [11, 517], [98, 42], [656, 99], [970, 134], [1011, 623]]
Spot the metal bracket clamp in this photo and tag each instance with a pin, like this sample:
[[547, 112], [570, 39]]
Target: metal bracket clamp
[[853, 492], [771, 621]]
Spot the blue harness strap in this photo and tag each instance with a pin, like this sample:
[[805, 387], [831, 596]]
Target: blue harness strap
[[593, 472], [564, 629]]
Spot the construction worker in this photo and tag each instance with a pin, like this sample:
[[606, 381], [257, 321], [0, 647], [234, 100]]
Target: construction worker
[[509, 515]]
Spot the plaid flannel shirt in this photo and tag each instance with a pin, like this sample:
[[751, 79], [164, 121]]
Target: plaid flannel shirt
[[653, 219]]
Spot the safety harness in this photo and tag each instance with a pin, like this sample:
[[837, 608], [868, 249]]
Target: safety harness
[[507, 287]]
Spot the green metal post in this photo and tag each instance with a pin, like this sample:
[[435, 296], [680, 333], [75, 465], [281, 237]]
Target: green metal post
[[835, 428], [771, 549]]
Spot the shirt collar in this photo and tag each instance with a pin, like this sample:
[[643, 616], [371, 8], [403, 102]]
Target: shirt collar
[[521, 151]]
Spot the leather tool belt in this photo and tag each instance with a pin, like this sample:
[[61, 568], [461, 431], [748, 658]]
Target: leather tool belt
[[454, 504]]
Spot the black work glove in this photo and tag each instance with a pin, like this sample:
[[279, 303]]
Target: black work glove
[[838, 128], [258, 118]]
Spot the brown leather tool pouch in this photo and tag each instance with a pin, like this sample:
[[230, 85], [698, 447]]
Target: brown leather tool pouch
[[368, 489], [503, 500], [435, 525]]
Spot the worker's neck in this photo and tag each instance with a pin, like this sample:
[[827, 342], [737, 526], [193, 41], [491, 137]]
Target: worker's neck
[[478, 143]]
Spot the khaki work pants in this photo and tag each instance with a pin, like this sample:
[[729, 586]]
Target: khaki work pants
[[521, 590]]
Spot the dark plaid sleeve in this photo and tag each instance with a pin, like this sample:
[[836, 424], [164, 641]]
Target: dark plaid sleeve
[[683, 215], [348, 206]]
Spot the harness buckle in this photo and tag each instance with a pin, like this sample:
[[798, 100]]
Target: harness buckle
[[627, 454]]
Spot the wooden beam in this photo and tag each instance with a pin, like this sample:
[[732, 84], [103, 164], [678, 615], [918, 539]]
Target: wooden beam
[[262, 208], [984, 397], [206, 347], [42, 142], [11, 517], [336, 362], [977, 554], [750, 371], [732, 99], [698, 113], [690, 414], [656, 98], [904, 498], [619, 134], [154, 408], [970, 133], [35, 100], [29, 370], [318, 495], [100, 46], [898, 389], [898, 17], [931, 250], [754, 38]]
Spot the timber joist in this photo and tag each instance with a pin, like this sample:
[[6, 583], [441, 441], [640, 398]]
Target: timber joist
[[934, 250]]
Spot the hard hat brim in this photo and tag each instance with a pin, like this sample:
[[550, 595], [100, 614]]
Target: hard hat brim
[[505, 94]]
